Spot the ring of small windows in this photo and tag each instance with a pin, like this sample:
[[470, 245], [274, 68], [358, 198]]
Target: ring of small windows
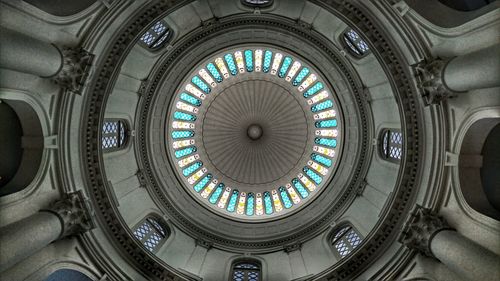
[[391, 145], [247, 270], [156, 36], [344, 240], [355, 45], [152, 232], [114, 134]]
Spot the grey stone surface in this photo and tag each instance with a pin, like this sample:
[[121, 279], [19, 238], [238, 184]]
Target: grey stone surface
[[101, 255]]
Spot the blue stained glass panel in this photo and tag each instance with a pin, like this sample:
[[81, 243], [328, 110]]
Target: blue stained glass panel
[[182, 134], [322, 106], [230, 63], [190, 99], [285, 198], [326, 123], [322, 160], [250, 204], [202, 85], [249, 60], [184, 116], [300, 188], [268, 56], [186, 151], [313, 90], [302, 74], [326, 142], [215, 73], [215, 196], [284, 67], [202, 183], [191, 169], [268, 204], [312, 175], [232, 201]]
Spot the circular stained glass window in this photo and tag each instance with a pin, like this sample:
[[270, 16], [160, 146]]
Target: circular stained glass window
[[254, 132]]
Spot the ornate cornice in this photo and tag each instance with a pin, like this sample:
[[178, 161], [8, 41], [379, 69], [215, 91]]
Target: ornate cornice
[[421, 228], [74, 213]]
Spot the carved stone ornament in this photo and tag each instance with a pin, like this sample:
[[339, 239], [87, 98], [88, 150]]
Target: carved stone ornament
[[421, 228], [203, 243], [431, 82], [75, 69], [292, 247], [74, 214]]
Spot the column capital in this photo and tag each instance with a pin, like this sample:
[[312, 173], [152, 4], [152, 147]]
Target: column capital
[[432, 83], [421, 228], [74, 70], [73, 212]]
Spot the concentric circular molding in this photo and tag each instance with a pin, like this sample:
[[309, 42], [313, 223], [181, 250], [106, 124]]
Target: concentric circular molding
[[170, 76], [254, 132], [95, 98], [181, 63]]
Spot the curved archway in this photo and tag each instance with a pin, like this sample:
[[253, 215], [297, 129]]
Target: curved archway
[[67, 274], [24, 138], [477, 165]]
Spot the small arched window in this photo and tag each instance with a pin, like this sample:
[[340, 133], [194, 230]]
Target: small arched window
[[345, 240], [257, 3], [246, 271], [354, 43], [156, 36], [114, 134], [391, 145], [152, 233]]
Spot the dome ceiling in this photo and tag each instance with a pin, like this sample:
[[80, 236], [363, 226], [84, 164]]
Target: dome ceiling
[[259, 119], [254, 132]]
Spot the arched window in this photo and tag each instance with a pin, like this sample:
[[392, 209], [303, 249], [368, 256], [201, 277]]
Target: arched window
[[156, 36], [345, 240], [257, 3], [246, 271], [152, 233], [354, 43], [391, 145], [114, 134]]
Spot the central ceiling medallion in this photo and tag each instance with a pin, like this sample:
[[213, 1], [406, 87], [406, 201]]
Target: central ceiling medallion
[[254, 133]]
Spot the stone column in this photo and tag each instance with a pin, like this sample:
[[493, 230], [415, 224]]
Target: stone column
[[477, 70], [22, 239], [67, 67], [430, 235], [441, 79], [29, 55]]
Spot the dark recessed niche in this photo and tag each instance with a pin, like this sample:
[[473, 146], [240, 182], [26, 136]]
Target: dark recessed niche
[[22, 140], [466, 5], [61, 8], [11, 133], [490, 176]]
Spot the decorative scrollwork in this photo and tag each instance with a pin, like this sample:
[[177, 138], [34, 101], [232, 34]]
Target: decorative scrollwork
[[421, 228], [75, 69], [74, 214], [431, 82]]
